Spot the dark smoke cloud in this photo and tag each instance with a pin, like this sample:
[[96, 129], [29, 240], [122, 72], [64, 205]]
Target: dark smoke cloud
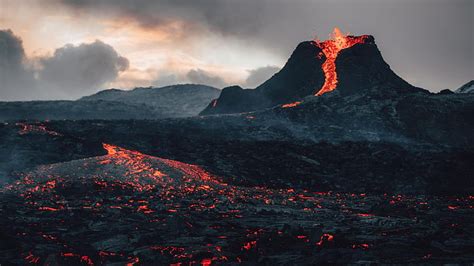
[[199, 76], [430, 42], [227, 17], [78, 70], [16, 79], [72, 71], [259, 75]]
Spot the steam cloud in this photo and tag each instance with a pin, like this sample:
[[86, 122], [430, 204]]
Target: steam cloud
[[16, 79], [200, 76], [79, 69], [259, 75], [70, 72]]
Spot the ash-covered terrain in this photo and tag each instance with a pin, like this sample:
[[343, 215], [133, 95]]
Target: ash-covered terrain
[[335, 159]]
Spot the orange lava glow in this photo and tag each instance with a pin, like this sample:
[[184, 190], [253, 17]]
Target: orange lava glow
[[324, 239], [111, 150], [331, 49], [250, 245], [35, 128], [206, 262], [32, 259], [142, 175], [290, 105]]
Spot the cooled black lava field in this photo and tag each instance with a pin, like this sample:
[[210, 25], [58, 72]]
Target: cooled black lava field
[[130, 208]]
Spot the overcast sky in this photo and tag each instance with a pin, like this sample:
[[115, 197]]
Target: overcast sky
[[64, 49]]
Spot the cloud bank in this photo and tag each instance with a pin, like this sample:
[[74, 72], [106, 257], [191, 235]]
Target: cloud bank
[[16, 78], [75, 70], [199, 76], [71, 72]]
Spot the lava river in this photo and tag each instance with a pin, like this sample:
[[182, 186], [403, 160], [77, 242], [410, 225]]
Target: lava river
[[331, 49], [131, 208]]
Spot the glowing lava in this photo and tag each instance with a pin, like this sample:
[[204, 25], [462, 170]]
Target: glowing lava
[[27, 128], [290, 105], [142, 173], [331, 49]]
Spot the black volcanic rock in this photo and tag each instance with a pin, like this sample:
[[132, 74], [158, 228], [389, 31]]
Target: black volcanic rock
[[445, 92], [127, 208], [76, 110], [235, 99], [361, 68], [302, 75], [21, 149]]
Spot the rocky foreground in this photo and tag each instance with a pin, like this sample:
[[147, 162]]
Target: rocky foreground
[[130, 208]]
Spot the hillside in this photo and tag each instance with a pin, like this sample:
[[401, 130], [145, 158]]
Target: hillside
[[174, 101], [139, 103]]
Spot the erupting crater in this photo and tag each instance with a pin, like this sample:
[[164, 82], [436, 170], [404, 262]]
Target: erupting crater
[[331, 48]]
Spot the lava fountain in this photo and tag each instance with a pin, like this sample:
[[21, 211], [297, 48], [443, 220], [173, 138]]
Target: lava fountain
[[331, 49]]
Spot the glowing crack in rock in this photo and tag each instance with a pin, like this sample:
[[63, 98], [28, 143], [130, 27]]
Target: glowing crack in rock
[[331, 49]]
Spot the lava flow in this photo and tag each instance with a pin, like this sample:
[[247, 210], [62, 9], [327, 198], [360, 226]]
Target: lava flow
[[130, 208], [331, 49], [27, 128]]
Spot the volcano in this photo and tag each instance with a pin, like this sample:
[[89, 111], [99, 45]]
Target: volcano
[[348, 64]]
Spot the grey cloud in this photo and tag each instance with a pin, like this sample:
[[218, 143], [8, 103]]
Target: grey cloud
[[16, 79], [78, 70], [259, 75], [72, 71], [166, 80], [223, 16], [199, 76]]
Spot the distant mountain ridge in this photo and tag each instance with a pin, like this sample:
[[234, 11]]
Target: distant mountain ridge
[[175, 101], [140, 103]]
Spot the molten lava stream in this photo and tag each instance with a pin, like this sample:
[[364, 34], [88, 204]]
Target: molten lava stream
[[331, 49]]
